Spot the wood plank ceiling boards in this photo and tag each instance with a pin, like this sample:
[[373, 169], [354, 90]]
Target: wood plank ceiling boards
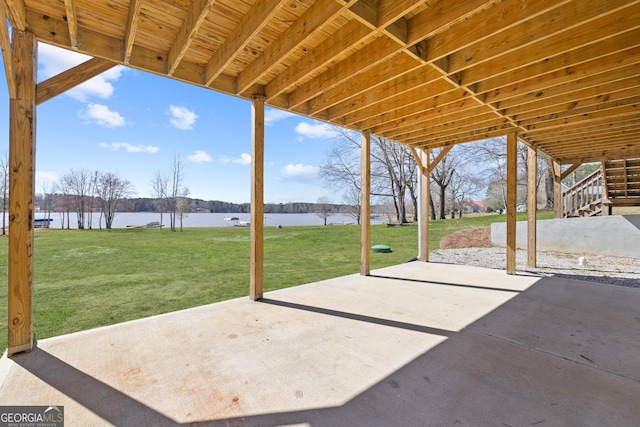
[[563, 74]]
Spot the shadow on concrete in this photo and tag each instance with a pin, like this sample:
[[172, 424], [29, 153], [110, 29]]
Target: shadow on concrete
[[538, 359], [458, 285], [360, 317], [617, 281], [102, 399]]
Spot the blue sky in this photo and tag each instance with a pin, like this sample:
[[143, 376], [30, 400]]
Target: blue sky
[[133, 123]]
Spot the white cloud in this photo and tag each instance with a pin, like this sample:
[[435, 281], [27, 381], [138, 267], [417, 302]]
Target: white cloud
[[53, 61], [182, 118], [320, 130], [115, 146], [244, 159], [273, 115], [48, 179], [199, 157], [299, 171], [103, 116]]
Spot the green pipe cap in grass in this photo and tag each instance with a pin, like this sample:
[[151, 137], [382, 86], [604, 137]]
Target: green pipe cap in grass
[[381, 248]]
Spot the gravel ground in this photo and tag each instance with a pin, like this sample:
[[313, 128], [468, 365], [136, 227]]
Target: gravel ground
[[603, 269]]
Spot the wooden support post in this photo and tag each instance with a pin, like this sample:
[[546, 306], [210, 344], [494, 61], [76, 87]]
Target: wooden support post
[[607, 209], [365, 200], [532, 205], [423, 220], [512, 190], [22, 144], [558, 211], [257, 198]]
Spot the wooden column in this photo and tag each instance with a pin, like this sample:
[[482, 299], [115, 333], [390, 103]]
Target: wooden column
[[512, 190], [257, 198], [558, 211], [365, 200], [425, 191], [532, 205], [22, 144]]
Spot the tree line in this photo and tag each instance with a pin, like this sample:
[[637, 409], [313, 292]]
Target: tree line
[[466, 173]]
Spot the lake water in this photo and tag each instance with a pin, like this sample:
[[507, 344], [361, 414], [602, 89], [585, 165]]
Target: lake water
[[124, 219]]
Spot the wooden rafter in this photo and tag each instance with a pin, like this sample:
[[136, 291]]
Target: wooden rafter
[[17, 14], [250, 25], [569, 170], [195, 18], [429, 74], [72, 22], [441, 155], [5, 44], [133, 18], [326, 52], [303, 28], [71, 78]]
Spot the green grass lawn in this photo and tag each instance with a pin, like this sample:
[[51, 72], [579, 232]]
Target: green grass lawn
[[89, 278]]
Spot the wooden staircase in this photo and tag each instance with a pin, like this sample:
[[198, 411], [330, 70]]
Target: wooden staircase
[[616, 183], [585, 197], [622, 182]]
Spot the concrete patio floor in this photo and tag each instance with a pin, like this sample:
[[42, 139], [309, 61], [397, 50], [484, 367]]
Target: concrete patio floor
[[418, 344]]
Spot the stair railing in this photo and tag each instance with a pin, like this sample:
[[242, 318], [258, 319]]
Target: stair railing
[[584, 195]]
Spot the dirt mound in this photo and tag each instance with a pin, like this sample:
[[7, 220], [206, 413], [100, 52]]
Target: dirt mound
[[469, 238]]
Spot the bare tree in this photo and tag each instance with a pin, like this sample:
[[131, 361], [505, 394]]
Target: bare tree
[[79, 182], [393, 170], [461, 187], [492, 153], [47, 201], [159, 186], [175, 190], [352, 202], [91, 197], [324, 208], [442, 176], [182, 205], [398, 166], [111, 190], [4, 189], [63, 201]]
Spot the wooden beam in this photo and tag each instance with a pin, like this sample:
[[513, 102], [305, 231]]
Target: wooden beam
[[425, 193], [132, 27], [604, 27], [607, 209], [343, 40], [17, 14], [104, 46], [532, 205], [382, 46], [380, 82], [249, 26], [197, 14], [72, 22], [512, 192], [365, 203], [257, 198], [22, 144], [71, 78], [442, 15], [566, 68], [304, 27], [568, 171], [557, 189], [441, 155], [7, 60], [418, 159]]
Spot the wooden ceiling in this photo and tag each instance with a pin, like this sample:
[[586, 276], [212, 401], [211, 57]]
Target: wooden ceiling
[[564, 74]]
